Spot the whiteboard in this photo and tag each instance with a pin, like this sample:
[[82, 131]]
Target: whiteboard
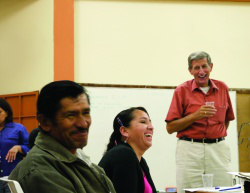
[[107, 102]]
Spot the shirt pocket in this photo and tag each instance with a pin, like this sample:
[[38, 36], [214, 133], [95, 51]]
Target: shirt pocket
[[221, 113]]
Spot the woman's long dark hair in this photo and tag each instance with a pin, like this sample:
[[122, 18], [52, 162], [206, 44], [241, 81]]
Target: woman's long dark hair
[[7, 108], [122, 119]]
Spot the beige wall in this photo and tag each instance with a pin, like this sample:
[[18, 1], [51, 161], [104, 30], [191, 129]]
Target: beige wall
[[26, 48], [125, 42], [148, 42]]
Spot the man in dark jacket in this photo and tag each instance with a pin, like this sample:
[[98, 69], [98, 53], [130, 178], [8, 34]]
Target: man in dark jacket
[[56, 163]]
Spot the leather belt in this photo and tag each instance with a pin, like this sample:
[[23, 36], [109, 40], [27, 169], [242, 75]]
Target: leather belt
[[204, 140]]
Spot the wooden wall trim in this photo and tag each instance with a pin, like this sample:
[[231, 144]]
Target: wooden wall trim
[[225, 0], [35, 92], [238, 90], [126, 86], [186, 0]]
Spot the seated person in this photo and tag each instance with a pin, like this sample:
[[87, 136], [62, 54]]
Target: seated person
[[123, 161], [13, 143], [33, 135], [56, 164]]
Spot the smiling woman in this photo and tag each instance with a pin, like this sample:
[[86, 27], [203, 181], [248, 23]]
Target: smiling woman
[[123, 161]]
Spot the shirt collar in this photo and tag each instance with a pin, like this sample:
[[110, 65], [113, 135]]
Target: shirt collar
[[80, 154], [11, 124], [212, 85]]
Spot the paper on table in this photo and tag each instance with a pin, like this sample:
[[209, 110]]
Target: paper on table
[[244, 174], [213, 190], [241, 174], [201, 190]]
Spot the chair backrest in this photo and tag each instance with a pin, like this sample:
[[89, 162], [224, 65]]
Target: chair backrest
[[13, 185]]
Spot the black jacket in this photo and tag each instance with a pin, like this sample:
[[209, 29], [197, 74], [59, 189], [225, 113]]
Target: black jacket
[[124, 169]]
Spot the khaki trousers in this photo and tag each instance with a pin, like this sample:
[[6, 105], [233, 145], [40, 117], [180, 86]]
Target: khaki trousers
[[194, 159]]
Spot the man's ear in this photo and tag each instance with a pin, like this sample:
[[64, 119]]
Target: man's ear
[[44, 122], [211, 66], [190, 70], [124, 131]]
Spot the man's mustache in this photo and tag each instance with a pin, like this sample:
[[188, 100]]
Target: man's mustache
[[79, 130]]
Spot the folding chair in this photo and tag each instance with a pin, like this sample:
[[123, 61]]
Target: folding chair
[[13, 185]]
